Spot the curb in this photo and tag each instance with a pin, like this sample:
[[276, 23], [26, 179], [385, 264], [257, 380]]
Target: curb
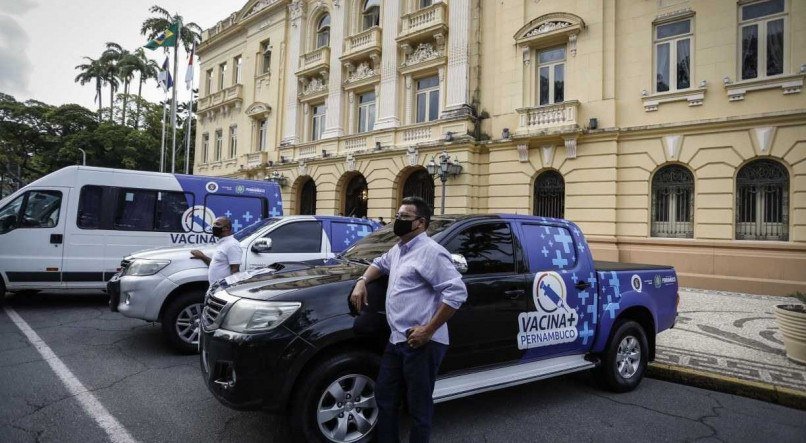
[[730, 385]]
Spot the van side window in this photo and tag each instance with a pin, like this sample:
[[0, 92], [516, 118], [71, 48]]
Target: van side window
[[171, 206], [297, 237], [135, 210], [9, 215], [488, 248], [41, 209], [89, 207], [550, 248], [241, 210]]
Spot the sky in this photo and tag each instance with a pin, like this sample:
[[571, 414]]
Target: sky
[[41, 42]]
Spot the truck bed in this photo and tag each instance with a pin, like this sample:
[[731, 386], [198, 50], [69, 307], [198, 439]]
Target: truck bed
[[618, 266]]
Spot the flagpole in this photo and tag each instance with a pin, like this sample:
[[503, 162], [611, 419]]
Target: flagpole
[[173, 103], [190, 111], [162, 146]]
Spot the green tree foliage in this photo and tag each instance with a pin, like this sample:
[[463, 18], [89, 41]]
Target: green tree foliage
[[37, 139]]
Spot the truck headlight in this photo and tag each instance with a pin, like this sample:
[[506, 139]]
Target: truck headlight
[[142, 267], [257, 316]]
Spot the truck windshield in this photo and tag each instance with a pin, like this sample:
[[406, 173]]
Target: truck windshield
[[375, 244], [251, 229]]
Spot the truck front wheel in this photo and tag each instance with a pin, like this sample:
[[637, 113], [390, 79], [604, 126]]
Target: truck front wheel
[[625, 359], [180, 321], [336, 400]]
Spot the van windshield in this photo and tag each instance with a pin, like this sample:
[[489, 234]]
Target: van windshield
[[251, 229]]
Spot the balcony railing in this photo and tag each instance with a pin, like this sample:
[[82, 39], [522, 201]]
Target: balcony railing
[[353, 144], [228, 96], [314, 61], [256, 159], [554, 116], [363, 42], [427, 19]]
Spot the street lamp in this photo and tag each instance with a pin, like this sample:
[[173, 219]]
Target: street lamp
[[277, 178], [444, 167]]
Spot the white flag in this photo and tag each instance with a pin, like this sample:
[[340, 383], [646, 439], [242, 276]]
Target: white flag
[[189, 73]]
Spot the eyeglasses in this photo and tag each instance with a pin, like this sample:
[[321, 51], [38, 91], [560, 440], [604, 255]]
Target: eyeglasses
[[406, 217]]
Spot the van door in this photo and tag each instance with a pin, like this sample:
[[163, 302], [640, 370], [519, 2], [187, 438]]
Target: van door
[[32, 239], [294, 241]]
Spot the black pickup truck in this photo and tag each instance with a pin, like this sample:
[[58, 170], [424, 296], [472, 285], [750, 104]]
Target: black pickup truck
[[285, 338]]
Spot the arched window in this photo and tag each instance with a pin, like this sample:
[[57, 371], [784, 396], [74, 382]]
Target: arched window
[[371, 14], [355, 197], [672, 202], [323, 32], [307, 198], [762, 201], [420, 184], [549, 195]]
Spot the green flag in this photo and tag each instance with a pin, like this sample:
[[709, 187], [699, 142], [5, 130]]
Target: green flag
[[166, 38]]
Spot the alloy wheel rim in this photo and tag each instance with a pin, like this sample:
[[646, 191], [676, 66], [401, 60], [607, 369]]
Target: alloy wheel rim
[[187, 323], [628, 357], [346, 411]]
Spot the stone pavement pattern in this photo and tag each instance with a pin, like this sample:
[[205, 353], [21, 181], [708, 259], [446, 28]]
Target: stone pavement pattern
[[731, 334]]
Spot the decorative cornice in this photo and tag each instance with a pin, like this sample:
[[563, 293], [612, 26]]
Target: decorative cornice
[[423, 53]]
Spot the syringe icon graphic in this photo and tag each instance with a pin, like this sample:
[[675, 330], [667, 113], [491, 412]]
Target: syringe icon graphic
[[553, 296]]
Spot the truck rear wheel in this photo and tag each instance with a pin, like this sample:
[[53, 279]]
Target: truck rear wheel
[[336, 401], [180, 321], [625, 359]]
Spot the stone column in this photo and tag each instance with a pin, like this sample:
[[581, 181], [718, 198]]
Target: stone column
[[388, 99], [295, 11], [333, 123], [408, 99], [351, 124], [457, 100]]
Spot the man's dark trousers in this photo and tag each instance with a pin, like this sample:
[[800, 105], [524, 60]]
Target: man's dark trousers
[[414, 371]]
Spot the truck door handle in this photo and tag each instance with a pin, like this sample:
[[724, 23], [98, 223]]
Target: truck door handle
[[56, 239], [582, 285], [513, 294]]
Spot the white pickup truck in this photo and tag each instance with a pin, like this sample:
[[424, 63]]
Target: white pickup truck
[[166, 285]]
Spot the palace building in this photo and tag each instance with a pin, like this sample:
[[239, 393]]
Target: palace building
[[671, 131]]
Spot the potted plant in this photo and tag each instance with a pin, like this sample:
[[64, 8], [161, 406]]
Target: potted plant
[[792, 321]]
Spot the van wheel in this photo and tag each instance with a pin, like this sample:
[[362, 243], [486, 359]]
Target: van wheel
[[336, 401], [180, 321], [625, 359]]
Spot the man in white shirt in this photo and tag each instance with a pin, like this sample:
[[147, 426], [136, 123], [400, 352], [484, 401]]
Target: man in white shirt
[[226, 259]]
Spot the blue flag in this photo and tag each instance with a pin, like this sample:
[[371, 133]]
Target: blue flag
[[164, 78]]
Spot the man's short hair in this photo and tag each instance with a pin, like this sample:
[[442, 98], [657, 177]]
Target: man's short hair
[[226, 222], [423, 209]]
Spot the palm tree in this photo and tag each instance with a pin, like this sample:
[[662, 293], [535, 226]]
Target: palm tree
[[152, 26], [109, 62], [147, 69], [91, 71]]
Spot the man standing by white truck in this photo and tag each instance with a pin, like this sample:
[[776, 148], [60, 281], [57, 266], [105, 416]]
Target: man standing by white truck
[[228, 254]]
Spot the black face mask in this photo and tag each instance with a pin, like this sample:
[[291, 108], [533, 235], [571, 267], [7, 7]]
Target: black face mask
[[402, 227], [217, 231]]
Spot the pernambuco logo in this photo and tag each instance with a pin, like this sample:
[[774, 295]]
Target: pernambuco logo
[[657, 281], [211, 187], [240, 189], [198, 219], [637, 285]]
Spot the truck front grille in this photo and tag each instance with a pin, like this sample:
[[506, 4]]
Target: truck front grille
[[212, 309]]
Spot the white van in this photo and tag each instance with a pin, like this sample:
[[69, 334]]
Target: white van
[[70, 229]]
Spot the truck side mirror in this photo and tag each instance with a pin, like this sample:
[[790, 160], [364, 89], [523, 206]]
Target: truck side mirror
[[459, 262], [262, 245]]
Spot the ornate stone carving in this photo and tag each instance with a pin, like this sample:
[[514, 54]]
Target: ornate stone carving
[[303, 168], [361, 72], [349, 163], [295, 10], [547, 27], [523, 153], [412, 155], [570, 147], [259, 6], [423, 53], [313, 86]]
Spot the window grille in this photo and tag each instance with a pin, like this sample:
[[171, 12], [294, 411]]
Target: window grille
[[549, 195], [673, 202], [762, 201]]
